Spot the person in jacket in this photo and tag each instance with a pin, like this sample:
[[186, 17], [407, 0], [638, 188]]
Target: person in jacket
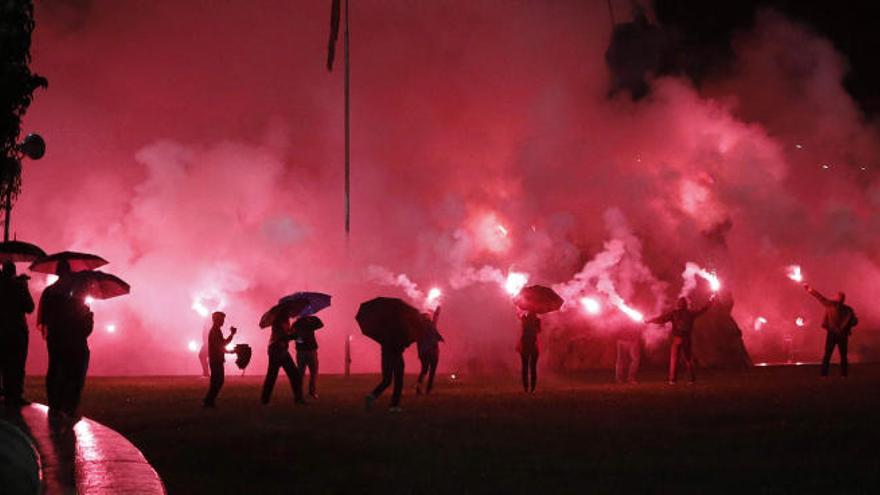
[[279, 358], [217, 356], [15, 303], [682, 319], [528, 350], [838, 323], [429, 351], [307, 349]]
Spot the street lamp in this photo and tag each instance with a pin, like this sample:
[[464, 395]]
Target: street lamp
[[34, 147]]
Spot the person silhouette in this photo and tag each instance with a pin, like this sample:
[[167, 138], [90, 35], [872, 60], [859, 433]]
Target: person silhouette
[[217, 356], [15, 303], [682, 319], [279, 357], [838, 323], [529, 350]]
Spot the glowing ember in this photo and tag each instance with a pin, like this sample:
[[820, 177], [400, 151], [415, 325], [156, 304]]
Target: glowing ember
[[502, 230], [111, 328], [515, 282], [193, 346], [799, 321], [794, 273], [591, 305], [453, 376], [759, 323]]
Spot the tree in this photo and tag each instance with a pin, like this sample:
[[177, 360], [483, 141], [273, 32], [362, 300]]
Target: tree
[[17, 86]]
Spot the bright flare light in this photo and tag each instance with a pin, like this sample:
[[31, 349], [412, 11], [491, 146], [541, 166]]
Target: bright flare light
[[591, 305], [230, 347], [51, 279], [111, 328], [714, 282], [193, 346], [89, 300], [515, 282], [794, 273], [433, 295], [799, 321], [759, 323], [634, 314]]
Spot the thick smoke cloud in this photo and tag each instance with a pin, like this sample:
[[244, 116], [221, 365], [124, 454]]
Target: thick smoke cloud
[[198, 146]]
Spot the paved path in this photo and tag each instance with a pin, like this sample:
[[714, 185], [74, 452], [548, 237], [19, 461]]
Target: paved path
[[86, 457]]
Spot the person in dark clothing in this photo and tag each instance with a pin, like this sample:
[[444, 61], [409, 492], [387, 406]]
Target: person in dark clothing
[[429, 352], [203, 355], [307, 349], [682, 319], [528, 350], [15, 303], [392, 370], [217, 356], [67, 322], [838, 323], [629, 355], [279, 357]]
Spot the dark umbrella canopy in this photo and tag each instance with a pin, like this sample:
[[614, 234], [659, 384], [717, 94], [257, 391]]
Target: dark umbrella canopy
[[291, 307], [99, 285], [77, 261], [390, 321], [242, 355], [315, 301], [19, 252], [538, 299]]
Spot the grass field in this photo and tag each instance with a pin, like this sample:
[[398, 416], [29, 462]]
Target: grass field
[[768, 430]]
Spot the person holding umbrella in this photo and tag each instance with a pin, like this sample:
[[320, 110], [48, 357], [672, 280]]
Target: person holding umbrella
[[15, 303], [279, 356], [395, 325], [531, 301], [217, 356]]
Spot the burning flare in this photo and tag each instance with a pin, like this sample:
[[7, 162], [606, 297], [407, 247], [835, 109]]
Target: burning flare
[[794, 273], [515, 282], [759, 323], [591, 305]]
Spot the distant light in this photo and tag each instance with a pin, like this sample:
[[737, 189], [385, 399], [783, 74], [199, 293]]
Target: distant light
[[826, 166], [502, 230], [193, 346], [111, 328], [453, 376], [798, 146], [591, 305], [759, 323], [799, 321], [864, 168], [762, 364]]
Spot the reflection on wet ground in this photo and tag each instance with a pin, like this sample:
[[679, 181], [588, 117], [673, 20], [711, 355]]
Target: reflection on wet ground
[[84, 456]]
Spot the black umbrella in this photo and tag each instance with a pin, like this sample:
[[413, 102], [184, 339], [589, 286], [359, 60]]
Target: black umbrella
[[291, 307], [77, 261], [308, 324], [242, 355], [538, 299], [98, 285], [315, 301], [390, 321], [18, 252]]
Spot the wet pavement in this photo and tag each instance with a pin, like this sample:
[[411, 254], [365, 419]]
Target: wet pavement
[[84, 457]]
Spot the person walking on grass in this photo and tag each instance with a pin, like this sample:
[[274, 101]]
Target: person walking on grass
[[527, 347], [279, 358], [307, 349], [392, 370], [682, 319], [838, 323], [429, 351], [217, 356]]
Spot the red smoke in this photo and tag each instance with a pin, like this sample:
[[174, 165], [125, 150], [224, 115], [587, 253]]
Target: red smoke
[[198, 146]]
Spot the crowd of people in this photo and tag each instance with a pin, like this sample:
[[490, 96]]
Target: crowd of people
[[66, 321]]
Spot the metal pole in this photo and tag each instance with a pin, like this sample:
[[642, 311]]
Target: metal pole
[[347, 356], [8, 208], [347, 130]]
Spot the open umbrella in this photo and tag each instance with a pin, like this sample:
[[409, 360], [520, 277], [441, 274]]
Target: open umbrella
[[391, 321], [18, 252], [242, 355], [315, 301], [538, 299], [77, 261], [291, 307], [98, 285]]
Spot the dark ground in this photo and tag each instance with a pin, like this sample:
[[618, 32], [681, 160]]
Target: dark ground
[[769, 430]]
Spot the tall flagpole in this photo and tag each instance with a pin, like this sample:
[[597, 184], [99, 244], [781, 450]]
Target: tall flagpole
[[347, 131]]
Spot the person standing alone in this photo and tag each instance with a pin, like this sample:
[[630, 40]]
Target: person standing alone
[[217, 356], [838, 323]]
